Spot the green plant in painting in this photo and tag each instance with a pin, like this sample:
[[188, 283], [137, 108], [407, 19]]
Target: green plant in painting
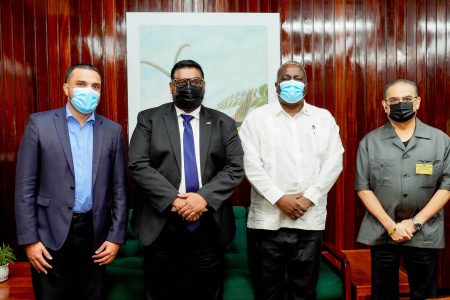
[[6, 255], [245, 100]]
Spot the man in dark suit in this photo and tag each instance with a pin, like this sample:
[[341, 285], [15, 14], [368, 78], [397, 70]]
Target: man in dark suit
[[186, 160], [71, 192]]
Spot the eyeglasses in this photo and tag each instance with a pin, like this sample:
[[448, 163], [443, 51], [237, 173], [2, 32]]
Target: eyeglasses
[[182, 82], [395, 100]]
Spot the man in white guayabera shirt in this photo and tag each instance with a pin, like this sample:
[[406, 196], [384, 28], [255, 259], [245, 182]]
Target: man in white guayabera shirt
[[292, 158]]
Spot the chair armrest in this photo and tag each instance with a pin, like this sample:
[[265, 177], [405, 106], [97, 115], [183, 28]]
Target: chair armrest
[[339, 263]]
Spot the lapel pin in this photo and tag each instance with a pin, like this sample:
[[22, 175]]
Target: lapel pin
[[208, 123]]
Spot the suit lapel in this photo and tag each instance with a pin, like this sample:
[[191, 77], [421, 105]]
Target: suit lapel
[[63, 135], [205, 137], [98, 144], [173, 132]]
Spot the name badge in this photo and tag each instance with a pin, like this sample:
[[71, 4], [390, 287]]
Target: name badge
[[424, 169]]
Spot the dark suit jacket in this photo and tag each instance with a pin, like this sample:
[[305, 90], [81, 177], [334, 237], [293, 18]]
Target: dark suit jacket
[[155, 165], [45, 182]]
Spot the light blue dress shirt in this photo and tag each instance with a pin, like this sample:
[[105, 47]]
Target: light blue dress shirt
[[81, 144]]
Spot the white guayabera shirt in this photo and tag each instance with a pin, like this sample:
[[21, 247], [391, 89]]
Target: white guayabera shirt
[[287, 155]]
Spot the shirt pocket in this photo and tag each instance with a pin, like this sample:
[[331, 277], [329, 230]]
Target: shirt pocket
[[430, 180], [382, 172]]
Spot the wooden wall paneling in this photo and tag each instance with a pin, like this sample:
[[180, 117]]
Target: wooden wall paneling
[[109, 98], [318, 55], [429, 102], [87, 43], [41, 55], [120, 69], [372, 103], [340, 95], [177, 6], [75, 36], [253, 6], [6, 92], [264, 6], [447, 74], [380, 61], [19, 103], [328, 67], [391, 41], [297, 32], [357, 126], [328, 101], [53, 54], [355, 108], [306, 37], [166, 5], [411, 23], [421, 52], [286, 31], [97, 38], [439, 99], [64, 47], [349, 110], [198, 5], [400, 35], [446, 253]]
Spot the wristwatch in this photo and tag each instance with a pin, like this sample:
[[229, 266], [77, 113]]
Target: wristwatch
[[417, 225]]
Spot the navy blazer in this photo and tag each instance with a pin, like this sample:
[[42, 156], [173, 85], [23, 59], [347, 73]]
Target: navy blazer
[[155, 166], [45, 181]]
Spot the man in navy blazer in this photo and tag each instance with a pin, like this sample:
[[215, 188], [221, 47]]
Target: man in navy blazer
[[184, 216], [71, 209]]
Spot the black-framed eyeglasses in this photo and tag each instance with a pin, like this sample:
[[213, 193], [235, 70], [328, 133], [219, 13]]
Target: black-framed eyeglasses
[[182, 82], [395, 100]]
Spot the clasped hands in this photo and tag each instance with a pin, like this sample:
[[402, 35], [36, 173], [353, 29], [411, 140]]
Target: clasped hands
[[190, 206], [404, 231], [294, 205]]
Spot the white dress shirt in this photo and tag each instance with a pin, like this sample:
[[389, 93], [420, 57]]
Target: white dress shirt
[[196, 131], [287, 155]]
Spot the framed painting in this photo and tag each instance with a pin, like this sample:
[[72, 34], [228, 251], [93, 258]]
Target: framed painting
[[239, 54]]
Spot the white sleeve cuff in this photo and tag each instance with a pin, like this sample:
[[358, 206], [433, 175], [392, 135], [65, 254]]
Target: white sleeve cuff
[[313, 194], [273, 195]]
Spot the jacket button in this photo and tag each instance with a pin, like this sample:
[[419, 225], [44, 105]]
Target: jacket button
[[69, 207], [72, 187], [405, 195], [405, 156]]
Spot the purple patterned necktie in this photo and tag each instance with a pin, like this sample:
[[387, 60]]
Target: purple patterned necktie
[[190, 164]]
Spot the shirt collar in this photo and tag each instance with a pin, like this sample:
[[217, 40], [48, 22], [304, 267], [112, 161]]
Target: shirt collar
[[70, 115], [306, 109], [421, 131], [195, 113]]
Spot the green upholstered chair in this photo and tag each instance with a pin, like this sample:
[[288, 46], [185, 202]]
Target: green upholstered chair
[[125, 276]]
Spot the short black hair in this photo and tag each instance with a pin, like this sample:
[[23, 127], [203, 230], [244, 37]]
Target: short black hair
[[413, 84], [186, 64], [80, 66], [295, 63]]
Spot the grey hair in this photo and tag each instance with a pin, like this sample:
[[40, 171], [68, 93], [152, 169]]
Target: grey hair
[[406, 81], [295, 63]]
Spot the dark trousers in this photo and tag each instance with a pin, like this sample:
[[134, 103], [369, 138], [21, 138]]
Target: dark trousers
[[185, 265], [74, 274], [420, 263], [277, 254]]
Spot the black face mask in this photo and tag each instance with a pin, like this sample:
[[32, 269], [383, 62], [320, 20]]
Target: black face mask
[[188, 97], [402, 111]]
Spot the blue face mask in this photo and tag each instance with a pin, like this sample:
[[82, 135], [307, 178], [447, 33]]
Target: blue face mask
[[292, 91], [85, 100]]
